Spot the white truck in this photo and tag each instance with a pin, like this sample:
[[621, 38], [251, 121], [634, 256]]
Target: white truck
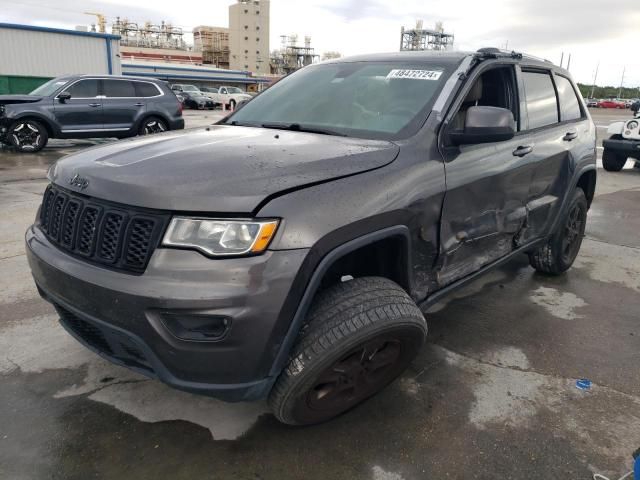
[[230, 96]]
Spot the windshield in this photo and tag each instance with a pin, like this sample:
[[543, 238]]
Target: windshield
[[234, 90], [49, 88], [385, 100], [190, 88]]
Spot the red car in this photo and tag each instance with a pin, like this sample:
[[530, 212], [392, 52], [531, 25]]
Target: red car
[[611, 104]]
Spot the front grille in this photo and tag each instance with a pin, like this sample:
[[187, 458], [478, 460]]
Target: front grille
[[105, 340], [105, 233]]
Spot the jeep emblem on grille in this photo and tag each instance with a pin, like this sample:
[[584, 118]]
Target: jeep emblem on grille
[[78, 181]]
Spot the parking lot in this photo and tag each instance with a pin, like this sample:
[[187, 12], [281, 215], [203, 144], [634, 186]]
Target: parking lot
[[492, 395]]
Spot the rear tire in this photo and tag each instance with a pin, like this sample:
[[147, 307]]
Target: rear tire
[[560, 251], [360, 335], [613, 162], [152, 125], [27, 136]]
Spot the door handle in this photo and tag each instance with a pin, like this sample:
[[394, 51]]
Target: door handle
[[139, 104], [95, 104], [570, 136], [522, 151]]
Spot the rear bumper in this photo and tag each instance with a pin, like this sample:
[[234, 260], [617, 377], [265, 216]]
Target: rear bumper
[[176, 124], [630, 147], [121, 316]]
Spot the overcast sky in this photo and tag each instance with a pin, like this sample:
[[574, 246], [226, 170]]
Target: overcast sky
[[591, 30]]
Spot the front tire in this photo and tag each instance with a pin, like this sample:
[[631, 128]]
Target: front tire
[[612, 161], [27, 136], [360, 335], [561, 250], [152, 125]]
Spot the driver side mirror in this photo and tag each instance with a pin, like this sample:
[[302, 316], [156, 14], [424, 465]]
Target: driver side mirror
[[485, 125], [64, 96]]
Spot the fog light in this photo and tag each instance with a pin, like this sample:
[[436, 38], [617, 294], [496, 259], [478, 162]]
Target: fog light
[[196, 327]]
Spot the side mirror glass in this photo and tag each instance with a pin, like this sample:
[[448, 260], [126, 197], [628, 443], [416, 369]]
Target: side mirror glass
[[485, 125], [64, 96]]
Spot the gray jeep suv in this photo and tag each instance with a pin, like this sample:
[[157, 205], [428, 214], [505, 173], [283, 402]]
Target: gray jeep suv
[[290, 250], [84, 106]]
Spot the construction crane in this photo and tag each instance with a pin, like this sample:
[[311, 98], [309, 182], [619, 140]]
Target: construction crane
[[102, 21]]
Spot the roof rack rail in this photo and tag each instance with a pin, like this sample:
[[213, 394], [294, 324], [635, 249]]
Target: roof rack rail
[[492, 52]]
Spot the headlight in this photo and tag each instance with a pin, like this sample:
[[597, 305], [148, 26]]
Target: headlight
[[632, 125], [221, 237]]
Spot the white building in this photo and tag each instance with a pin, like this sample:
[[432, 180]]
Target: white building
[[249, 36], [29, 55]]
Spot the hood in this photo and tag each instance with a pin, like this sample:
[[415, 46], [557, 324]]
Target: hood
[[7, 99], [225, 169]]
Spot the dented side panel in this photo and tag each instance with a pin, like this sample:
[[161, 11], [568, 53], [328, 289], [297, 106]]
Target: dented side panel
[[484, 207]]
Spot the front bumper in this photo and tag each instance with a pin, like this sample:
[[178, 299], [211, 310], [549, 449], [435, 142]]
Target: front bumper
[[120, 316], [629, 147]]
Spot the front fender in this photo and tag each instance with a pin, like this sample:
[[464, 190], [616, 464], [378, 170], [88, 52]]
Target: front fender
[[45, 118], [319, 264], [616, 128]]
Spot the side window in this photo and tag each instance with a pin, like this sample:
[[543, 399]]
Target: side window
[[494, 88], [118, 88], [84, 89], [569, 103], [542, 104], [144, 89]]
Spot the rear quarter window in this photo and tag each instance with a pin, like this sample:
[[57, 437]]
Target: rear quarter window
[[569, 103], [144, 89], [542, 104]]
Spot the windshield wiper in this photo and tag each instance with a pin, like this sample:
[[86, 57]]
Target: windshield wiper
[[296, 127]]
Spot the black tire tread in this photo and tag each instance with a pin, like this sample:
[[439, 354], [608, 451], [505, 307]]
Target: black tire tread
[[339, 312], [612, 161], [545, 259]]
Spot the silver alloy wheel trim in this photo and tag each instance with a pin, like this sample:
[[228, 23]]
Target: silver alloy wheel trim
[[154, 126], [20, 142]]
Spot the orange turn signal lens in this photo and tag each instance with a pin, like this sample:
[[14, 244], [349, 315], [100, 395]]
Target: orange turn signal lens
[[264, 236]]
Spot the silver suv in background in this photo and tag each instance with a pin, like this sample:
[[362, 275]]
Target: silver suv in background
[[88, 106]]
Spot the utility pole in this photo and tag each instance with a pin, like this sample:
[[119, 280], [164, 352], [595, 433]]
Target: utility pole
[[621, 82], [569, 62], [595, 77], [561, 59]]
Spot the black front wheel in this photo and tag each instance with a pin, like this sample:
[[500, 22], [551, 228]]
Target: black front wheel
[[28, 136], [612, 161], [561, 250], [360, 335], [152, 125]]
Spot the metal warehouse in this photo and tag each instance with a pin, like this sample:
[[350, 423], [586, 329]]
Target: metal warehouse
[[29, 56]]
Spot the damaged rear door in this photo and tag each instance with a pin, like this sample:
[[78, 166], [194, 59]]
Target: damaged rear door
[[484, 209]]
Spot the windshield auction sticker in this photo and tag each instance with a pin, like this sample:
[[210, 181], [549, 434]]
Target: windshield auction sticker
[[415, 74]]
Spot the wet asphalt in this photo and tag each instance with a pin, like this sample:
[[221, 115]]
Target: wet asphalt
[[493, 394]]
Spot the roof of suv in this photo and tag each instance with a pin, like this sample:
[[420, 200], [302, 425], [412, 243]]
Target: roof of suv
[[117, 77], [447, 57]]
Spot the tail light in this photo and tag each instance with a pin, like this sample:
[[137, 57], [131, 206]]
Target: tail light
[[180, 108]]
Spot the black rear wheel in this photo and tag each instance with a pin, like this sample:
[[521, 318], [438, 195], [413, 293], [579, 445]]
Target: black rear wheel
[[359, 337], [28, 136], [561, 250], [152, 125]]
